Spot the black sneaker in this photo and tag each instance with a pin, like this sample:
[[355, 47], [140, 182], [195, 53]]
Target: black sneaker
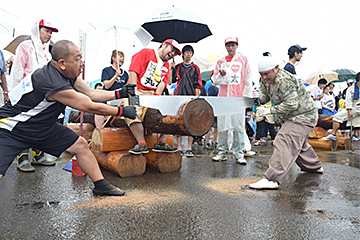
[[23, 163], [181, 152], [39, 158], [189, 153], [163, 147], [108, 191], [208, 146], [139, 149], [198, 140]]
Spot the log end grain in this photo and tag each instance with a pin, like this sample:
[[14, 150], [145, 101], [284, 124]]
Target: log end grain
[[169, 162], [131, 165]]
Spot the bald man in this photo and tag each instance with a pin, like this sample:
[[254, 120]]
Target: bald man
[[29, 118], [297, 112]]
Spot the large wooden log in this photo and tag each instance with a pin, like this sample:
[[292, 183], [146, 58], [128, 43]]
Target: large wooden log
[[87, 129], [194, 119], [323, 144], [112, 139], [164, 162], [345, 143], [118, 139], [121, 163]]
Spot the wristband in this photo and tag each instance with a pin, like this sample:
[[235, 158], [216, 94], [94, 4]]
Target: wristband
[[117, 94], [156, 94], [5, 92], [119, 112]]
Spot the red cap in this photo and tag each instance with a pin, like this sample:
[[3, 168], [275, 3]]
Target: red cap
[[47, 25], [175, 44], [231, 39]]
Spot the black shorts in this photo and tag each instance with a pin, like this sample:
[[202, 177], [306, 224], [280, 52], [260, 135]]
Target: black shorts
[[214, 124], [60, 139]]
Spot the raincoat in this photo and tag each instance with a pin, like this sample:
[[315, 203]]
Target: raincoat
[[29, 56], [236, 83]]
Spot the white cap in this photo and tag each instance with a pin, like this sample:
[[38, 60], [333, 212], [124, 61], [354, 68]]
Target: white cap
[[231, 39], [267, 63]]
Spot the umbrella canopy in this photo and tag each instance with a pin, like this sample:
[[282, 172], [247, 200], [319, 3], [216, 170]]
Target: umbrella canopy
[[184, 26], [11, 47], [213, 58], [314, 77], [205, 76], [345, 74], [7, 21], [119, 29]]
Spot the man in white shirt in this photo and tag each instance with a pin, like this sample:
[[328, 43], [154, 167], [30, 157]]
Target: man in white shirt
[[317, 93]]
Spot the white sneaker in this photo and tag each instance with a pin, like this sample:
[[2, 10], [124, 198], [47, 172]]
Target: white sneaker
[[249, 153], [264, 184], [219, 157], [329, 137], [241, 160]]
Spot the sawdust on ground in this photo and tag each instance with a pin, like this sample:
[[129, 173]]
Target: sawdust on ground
[[146, 199], [142, 199], [231, 186]]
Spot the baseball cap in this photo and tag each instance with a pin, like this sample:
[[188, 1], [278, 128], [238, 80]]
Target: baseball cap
[[231, 39], [296, 48], [350, 80], [175, 44], [47, 24]]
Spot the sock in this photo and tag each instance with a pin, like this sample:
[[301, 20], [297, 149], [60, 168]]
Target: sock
[[143, 144], [160, 141], [102, 184]]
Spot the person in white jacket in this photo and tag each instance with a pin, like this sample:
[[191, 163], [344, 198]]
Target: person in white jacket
[[29, 56], [233, 74]]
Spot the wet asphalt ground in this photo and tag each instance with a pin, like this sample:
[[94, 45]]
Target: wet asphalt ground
[[204, 200]]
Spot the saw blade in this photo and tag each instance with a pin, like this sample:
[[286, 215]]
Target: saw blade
[[169, 105]]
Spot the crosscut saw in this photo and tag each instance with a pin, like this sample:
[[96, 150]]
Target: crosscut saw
[[169, 105]]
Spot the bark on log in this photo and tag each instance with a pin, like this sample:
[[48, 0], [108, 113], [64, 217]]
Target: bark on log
[[121, 163], [118, 139], [345, 143], [318, 132], [194, 119], [112, 139], [164, 162], [87, 129], [323, 144]]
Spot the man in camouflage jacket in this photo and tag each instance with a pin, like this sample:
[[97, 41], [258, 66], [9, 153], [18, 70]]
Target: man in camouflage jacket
[[297, 113]]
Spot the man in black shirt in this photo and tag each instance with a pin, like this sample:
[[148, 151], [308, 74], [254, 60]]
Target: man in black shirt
[[29, 118]]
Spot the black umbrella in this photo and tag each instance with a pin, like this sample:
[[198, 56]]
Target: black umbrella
[[184, 26]]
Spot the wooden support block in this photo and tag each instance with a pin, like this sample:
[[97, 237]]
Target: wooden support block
[[87, 129], [345, 143], [122, 163], [112, 139], [319, 143], [164, 162]]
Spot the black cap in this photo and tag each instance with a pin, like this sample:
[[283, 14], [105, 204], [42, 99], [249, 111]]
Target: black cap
[[295, 48]]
